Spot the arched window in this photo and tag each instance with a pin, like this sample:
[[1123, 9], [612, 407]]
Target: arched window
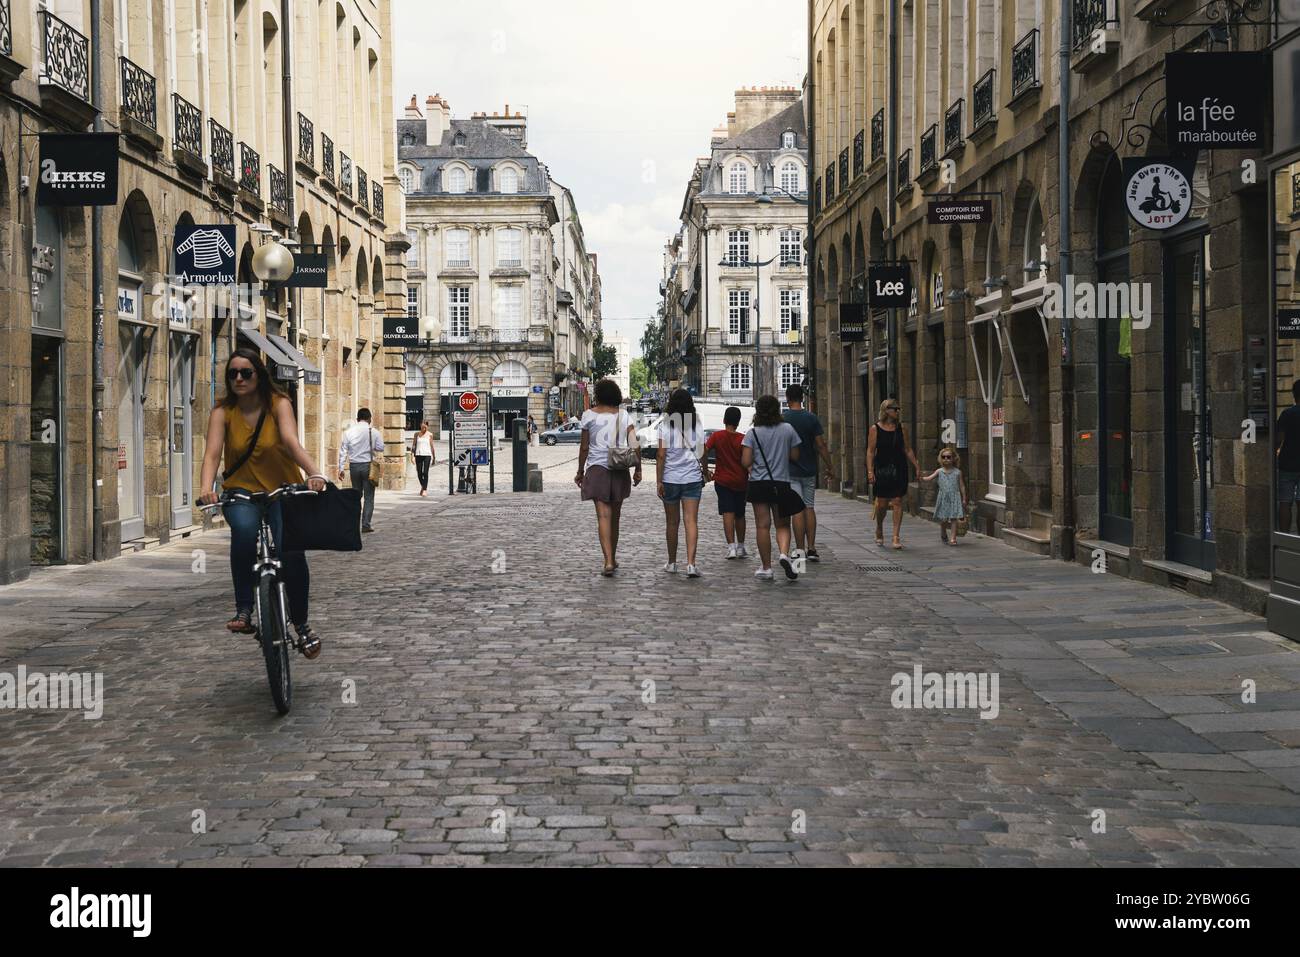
[[738, 178], [456, 180], [790, 177], [456, 374], [737, 246], [407, 179], [737, 378], [511, 373], [1034, 245], [414, 379], [791, 374], [510, 251], [508, 180]]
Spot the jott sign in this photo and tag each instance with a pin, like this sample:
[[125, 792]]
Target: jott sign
[[1157, 193]]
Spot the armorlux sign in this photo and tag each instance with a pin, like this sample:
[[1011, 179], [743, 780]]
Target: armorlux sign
[[78, 169]]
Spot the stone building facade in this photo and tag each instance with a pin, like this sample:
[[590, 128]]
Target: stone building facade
[[505, 293], [1096, 435], [198, 93], [734, 283]]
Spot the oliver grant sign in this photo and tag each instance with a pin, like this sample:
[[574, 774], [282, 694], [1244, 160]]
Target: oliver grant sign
[[1218, 101], [399, 331], [1288, 323], [78, 169]]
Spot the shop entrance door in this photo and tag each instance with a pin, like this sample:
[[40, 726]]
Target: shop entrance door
[[47, 445], [181, 428], [130, 431], [1189, 453]]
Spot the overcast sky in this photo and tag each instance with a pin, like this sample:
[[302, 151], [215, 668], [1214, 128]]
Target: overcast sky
[[621, 98]]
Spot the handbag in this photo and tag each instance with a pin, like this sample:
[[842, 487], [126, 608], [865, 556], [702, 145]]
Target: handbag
[[622, 458], [963, 524], [788, 501], [328, 521], [376, 469], [248, 452]]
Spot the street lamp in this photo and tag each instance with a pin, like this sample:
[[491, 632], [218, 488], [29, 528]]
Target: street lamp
[[758, 297], [765, 197], [272, 263]]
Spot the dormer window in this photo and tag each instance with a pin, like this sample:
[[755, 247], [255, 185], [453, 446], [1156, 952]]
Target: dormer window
[[508, 180], [738, 178], [458, 139], [787, 140], [407, 178], [456, 180], [408, 139]]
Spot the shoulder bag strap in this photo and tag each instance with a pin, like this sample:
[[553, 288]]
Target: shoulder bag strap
[[771, 477], [248, 452]]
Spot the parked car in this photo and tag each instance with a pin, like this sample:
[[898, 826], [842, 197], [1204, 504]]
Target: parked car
[[568, 432]]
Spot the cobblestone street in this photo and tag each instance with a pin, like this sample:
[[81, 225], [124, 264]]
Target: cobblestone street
[[510, 717]]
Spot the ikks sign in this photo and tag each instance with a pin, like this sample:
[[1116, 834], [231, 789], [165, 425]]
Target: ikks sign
[[1218, 101], [1158, 193], [78, 169], [205, 255]]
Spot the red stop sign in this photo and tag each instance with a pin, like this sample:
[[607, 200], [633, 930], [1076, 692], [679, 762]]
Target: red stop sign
[[468, 401]]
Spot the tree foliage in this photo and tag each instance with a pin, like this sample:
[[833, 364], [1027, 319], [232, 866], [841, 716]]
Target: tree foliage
[[604, 358], [638, 378]]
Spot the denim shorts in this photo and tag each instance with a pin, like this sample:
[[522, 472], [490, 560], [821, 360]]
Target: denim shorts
[[1288, 487], [806, 486], [674, 492], [730, 502]]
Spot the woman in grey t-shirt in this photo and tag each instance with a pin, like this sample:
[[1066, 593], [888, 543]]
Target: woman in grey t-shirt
[[766, 452]]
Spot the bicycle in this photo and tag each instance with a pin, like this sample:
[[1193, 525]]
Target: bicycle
[[270, 598]]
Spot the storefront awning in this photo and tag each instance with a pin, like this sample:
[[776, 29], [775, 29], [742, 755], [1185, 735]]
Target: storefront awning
[[311, 374], [282, 366], [1028, 301]]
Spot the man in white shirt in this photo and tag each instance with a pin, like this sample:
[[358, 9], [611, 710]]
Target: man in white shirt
[[358, 448]]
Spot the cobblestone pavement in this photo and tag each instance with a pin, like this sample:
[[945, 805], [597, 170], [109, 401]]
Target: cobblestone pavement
[[523, 700]]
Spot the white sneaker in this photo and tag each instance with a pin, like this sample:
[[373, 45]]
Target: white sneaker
[[740, 551], [732, 551], [670, 568], [763, 574], [692, 571], [788, 567]]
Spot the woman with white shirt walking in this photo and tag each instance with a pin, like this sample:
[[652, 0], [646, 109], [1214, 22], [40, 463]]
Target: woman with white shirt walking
[[604, 473], [424, 455], [681, 476], [766, 452]]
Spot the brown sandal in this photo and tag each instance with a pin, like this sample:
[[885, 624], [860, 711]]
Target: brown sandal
[[242, 623]]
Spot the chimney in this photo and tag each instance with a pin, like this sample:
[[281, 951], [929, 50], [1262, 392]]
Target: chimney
[[438, 119], [413, 111], [513, 125], [757, 105]]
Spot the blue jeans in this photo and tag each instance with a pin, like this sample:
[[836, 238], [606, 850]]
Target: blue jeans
[[244, 519]]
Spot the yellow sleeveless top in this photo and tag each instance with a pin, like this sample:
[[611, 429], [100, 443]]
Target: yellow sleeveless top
[[269, 466]]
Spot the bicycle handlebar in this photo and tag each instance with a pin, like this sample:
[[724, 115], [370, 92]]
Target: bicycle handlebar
[[236, 495]]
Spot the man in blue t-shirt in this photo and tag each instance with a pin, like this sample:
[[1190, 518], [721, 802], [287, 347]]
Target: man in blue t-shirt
[[803, 471]]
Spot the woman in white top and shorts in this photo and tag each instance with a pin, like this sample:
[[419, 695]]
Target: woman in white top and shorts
[[422, 451], [601, 428], [681, 476]]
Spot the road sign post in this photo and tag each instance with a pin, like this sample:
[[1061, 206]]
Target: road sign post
[[471, 436]]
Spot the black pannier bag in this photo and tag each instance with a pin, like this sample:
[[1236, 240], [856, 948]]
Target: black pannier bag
[[329, 521]]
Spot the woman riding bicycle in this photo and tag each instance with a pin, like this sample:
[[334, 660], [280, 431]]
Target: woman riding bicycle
[[255, 414]]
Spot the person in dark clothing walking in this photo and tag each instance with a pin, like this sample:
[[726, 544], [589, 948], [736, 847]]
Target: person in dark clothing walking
[[887, 456], [1287, 452]]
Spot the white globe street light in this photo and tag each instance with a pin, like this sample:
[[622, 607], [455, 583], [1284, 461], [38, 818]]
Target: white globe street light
[[272, 262]]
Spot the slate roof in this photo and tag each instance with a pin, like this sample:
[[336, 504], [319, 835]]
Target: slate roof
[[767, 135], [481, 142]]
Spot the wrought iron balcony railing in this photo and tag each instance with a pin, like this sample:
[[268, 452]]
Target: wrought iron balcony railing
[[223, 149], [345, 174], [982, 98], [1295, 195], [1091, 16], [326, 157], [67, 57], [188, 135], [859, 153], [905, 168], [741, 338], [952, 133], [250, 170], [378, 205], [139, 94], [363, 189], [844, 169], [817, 196], [6, 29], [306, 141], [1024, 63], [878, 135], [929, 148], [830, 183], [279, 188]]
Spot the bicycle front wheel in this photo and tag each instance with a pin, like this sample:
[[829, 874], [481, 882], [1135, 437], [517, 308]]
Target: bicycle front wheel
[[273, 632]]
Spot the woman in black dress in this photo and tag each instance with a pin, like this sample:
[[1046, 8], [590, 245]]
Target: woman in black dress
[[888, 453]]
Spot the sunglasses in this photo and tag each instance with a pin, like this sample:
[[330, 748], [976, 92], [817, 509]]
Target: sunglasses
[[891, 408], [245, 373]]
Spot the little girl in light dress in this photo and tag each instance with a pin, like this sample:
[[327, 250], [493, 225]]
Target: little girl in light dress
[[950, 505]]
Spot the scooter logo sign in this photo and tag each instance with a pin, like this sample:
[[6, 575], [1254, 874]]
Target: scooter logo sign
[[1157, 193]]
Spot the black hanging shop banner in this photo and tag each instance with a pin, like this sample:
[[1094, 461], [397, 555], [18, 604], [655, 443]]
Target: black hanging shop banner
[[853, 322], [889, 286], [78, 169], [1218, 101], [400, 332], [310, 271], [205, 255]]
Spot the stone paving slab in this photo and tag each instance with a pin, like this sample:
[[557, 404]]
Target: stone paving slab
[[546, 715]]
